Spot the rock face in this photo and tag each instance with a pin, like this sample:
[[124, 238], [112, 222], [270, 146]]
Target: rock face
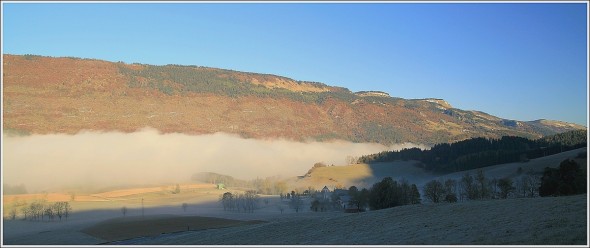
[[372, 93], [67, 95]]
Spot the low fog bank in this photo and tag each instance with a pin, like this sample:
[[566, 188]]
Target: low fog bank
[[147, 157]]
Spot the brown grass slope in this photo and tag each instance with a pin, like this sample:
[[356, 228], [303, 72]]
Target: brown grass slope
[[365, 175], [525, 221], [67, 95]]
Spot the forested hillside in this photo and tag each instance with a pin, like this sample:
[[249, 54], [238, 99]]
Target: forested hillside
[[480, 152]]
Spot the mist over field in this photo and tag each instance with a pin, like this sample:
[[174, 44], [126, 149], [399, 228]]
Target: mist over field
[[95, 160]]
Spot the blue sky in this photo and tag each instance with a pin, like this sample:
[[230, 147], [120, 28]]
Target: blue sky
[[521, 61]]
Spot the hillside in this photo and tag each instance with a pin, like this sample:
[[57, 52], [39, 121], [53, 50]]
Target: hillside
[[66, 95], [365, 175], [525, 221], [481, 152]]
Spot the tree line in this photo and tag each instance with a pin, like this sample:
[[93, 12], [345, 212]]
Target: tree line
[[41, 210], [246, 202], [481, 152], [387, 193], [479, 187], [568, 179]]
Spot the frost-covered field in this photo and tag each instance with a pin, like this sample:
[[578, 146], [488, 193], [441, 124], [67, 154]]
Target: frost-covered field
[[525, 221], [530, 221]]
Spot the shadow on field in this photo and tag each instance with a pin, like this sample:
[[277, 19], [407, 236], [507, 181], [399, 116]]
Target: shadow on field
[[398, 170], [96, 226], [408, 170], [137, 226]]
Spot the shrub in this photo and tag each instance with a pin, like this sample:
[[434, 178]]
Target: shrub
[[451, 198]]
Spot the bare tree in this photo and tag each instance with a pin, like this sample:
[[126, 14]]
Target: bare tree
[[36, 210], [296, 203], [67, 209], [12, 213], [450, 190], [521, 187], [494, 188], [481, 179], [281, 208], [505, 185], [14, 210], [58, 209], [26, 212], [434, 191], [49, 213], [247, 202], [250, 201], [468, 187], [351, 160], [227, 201], [529, 184]]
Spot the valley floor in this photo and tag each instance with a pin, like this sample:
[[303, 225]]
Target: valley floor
[[523, 221], [520, 221], [529, 221]]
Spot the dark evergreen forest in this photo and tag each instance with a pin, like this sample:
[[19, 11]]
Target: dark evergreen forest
[[481, 152]]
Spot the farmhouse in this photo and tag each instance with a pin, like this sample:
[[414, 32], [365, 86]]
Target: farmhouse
[[325, 193], [343, 198]]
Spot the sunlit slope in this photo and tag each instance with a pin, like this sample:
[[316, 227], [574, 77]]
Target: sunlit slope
[[365, 175], [360, 175], [131, 198], [66, 95]]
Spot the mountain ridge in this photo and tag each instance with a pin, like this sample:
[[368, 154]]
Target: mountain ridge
[[67, 95]]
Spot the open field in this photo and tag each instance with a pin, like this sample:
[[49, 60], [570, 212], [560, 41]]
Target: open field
[[530, 221], [116, 199], [161, 214], [90, 209], [130, 227], [523, 221]]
